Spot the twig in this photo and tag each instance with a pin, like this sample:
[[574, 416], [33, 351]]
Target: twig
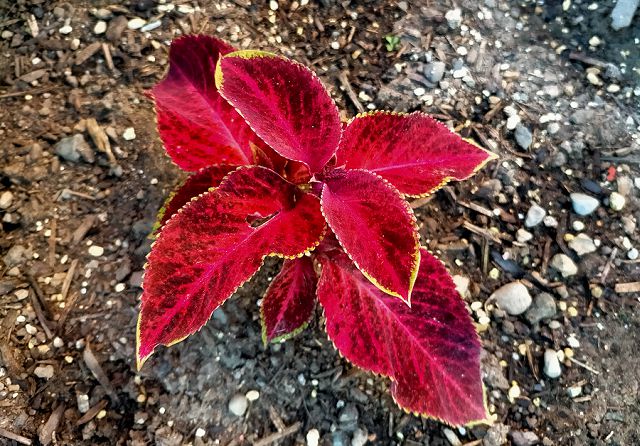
[[47, 430], [91, 413], [95, 367], [52, 243], [476, 207], [68, 278], [107, 56], [607, 266], [481, 231], [37, 298], [295, 427], [583, 365], [15, 437], [344, 81], [629, 287]]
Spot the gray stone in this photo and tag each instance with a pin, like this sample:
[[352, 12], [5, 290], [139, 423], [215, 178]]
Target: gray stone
[[16, 255], [73, 148], [564, 265], [514, 298], [496, 435], [434, 72], [44, 371], [238, 404], [544, 307], [622, 13], [583, 204], [551, 364], [535, 215], [524, 137], [454, 18], [523, 236], [339, 438], [520, 438], [348, 418], [582, 244], [359, 437]]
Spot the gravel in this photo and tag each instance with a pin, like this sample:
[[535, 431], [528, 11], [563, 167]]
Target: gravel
[[73, 148], [6, 198], [523, 236], [434, 72], [564, 265], [535, 215], [514, 298], [238, 404], [524, 137], [551, 364], [520, 438], [622, 13], [583, 204], [617, 201], [44, 371], [582, 244], [454, 18], [544, 307]]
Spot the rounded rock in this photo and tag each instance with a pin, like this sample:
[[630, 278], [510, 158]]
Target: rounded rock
[[544, 307], [551, 364], [514, 298], [100, 28], [313, 437], [617, 201], [564, 265], [535, 215], [238, 404], [583, 204], [582, 244]]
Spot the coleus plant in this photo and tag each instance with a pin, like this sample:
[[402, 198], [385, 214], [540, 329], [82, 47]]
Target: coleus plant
[[276, 173]]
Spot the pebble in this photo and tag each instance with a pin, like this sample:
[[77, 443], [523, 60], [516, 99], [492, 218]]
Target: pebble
[[553, 128], [462, 285], [136, 23], [578, 225], [583, 204], [535, 215], [6, 199], [58, 342], [129, 134], [544, 307], [622, 13], [451, 436], [313, 437], [73, 148], [632, 254], [551, 364], [524, 137], [238, 404], [523, 236], [434, 72], [582, 244], [21, 294], [574, 391], [151, 26], [564, 265], [252, 395], [273, 5], [616, 201], [514, 298], [359, 437], [44, 371], [200, 432], [96, 251], [100, 28], [66, 29], [454, 18], [520, 438], [82, 400], [30, 329], [513, 121], [550, 221], [103, 14]]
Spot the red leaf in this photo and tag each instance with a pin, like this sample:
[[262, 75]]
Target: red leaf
[[215, 244], [197, 126], [196, 184], [288, 303], [414, 152], [430, 351], [375, 226], [284, 102]]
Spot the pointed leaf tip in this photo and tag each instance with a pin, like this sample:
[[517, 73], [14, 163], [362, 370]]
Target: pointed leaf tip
[[376, 228], [431, 351], [284, 102], [414, 152], [215, 244]]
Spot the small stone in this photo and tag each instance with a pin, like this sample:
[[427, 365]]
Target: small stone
[[496, 435], [66, 29], [200, 432], [535, 215], [514, 298], [273, 5], [551, 364], [578, 226], [616, 201], [524, 137], [451, 436], [550, 221], [15, 255], [335, 45], [613, 88], [348, 418], [120, 287], [462, 284], [96, 251], [44, 371], [454, 18], [583, 204], [359, 437], [520, 438], [564, 265], [434, 71], [553, 128], [573, 342], [622, 13], [58, 342], [21, 294], [595, 41], [582, 244], [252, 395], [136, 23], [6, 199], [419, 91], [523, 236], [544, 307], [313, 437], [73, 148], [513, 121], [103, 14], [100, 28], [83, 402], [129, 134], [151, 26], [238, 404], [574, 391], [632, 254]]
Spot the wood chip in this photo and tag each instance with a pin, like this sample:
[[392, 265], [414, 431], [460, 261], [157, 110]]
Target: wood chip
[[95, 367], [344, 81], [46, 431], [629, 287], [82, 230], [68, 278], [37, 302], [87, 52], [278, 435], [15, 437], [91, 413], [100, 139]]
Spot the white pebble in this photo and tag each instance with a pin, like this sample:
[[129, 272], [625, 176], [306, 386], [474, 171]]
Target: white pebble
[[419, 91], [129, 134], [238, 405], [100, 27], [551, 364], [632, 254], [120, 287], [31, 329], [200, 432], [44, 371], [313, 437], [136, 23], [273, 5], [578, 226], [335, 45], [252, 395], [66, 29], [58, 342], [22, 294], [616, 201], [96, 251]]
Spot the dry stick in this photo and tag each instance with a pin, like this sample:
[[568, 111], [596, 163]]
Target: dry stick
[[278, 435], [629, 287], [95, 367], [15, 437], [107, 56], [344, 81], [481, 231], [37, 300], [68, 278], [583, 365], [48, 429], [52, 243], [607, 266], [91, 413]]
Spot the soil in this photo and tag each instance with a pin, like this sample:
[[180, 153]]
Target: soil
[[73, 235]]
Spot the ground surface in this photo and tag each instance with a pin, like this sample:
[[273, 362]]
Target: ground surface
[[73, 234]]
